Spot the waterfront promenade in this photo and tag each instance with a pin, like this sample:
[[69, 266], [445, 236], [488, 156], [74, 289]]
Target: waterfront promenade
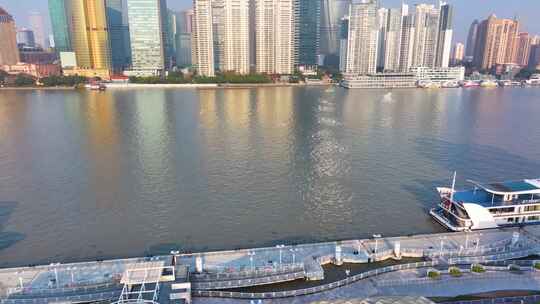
[[211, 274]]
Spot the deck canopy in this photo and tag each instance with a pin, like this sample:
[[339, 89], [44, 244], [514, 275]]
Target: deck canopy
[[527, 186]]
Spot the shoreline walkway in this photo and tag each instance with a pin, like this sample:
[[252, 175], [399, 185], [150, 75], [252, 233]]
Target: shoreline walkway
[[261, 266]]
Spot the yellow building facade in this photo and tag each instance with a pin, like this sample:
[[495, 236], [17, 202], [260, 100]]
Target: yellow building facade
[[90, 35]]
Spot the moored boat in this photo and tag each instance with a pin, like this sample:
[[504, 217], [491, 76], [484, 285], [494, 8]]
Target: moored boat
[[470, 84], [490, 205]]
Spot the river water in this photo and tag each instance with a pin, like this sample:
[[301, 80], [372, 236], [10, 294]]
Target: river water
[[86, 175]]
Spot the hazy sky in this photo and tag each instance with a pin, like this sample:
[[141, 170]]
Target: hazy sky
[[465, 11]]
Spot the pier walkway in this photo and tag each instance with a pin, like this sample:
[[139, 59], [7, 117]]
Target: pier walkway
[[261, 266]]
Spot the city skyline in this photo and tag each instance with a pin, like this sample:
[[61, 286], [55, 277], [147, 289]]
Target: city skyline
[[465, 12]]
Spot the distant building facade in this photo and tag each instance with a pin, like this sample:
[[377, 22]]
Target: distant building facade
[[146, 34], [332, 12], [309, 31], [202, 47], [25, 37], [276, 36], [444, 39], [183, 41], [58, 13], [496, 42], [9, 53], [523, 51], [426, 34], [472, 38], [458, 53], [37, 24], [118, 34], [90, 35], [362, 38]]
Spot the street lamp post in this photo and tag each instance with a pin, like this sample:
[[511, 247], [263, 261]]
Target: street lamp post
[[293, 250], [442, 245], [251, 254], [376, 237], [280, 253]]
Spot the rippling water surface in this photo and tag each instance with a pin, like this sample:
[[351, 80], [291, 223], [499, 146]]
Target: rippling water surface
[[87, 175]]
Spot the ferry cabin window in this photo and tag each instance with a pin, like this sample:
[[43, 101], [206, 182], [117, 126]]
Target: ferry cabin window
[[513, 219], [502, 210], [533, 218], [532, 208]]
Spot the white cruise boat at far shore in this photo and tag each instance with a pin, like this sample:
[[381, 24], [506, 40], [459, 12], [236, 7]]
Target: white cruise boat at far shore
[[489, 205]]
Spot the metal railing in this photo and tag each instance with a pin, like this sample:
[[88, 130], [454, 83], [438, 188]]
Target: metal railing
[[306, 291], [522, 299], [28, 291], [244, 274], [104, 296], [247, 282]]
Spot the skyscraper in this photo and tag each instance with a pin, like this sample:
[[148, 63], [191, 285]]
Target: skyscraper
[[382, 23], [58, 12], [392, 43], [471, 40], [407, 40], [523, 49], [362, 40], [171, 34], [332, 12], [276, 32], [444, 38], [118, 34], [458, 53], [26, 37], [146, 35], [183, 37], [426, 25], [309, 21], [496, 42], [37, 25], [233, 36], [89, 33], [202, 48], [9, 53]]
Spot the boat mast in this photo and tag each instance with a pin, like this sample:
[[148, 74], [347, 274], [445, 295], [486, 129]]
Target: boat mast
[[453, 186]]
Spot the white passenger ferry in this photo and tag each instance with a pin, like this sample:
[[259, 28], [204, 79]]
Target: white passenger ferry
[[489, 205]]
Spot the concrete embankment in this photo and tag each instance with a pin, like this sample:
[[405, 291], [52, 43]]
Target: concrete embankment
[[212, 271]]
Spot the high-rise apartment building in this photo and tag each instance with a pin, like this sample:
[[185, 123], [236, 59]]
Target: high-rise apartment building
[[25, 37], [233, 36], [392, 40], [407, 40], [458, 53], [202, 48], [382, 23], [90, 35], [309, 25], [146, 33], [58, 12], [37, 25], [183, 37], [332, 13], [9, 53], [276, 36], [444, 38], [523, 49], [362, 38], [343, 42], [471, 40], [496, 42], [118, 34], [426, 33]]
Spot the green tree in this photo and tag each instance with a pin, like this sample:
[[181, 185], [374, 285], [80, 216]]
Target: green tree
[[23, 80]]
